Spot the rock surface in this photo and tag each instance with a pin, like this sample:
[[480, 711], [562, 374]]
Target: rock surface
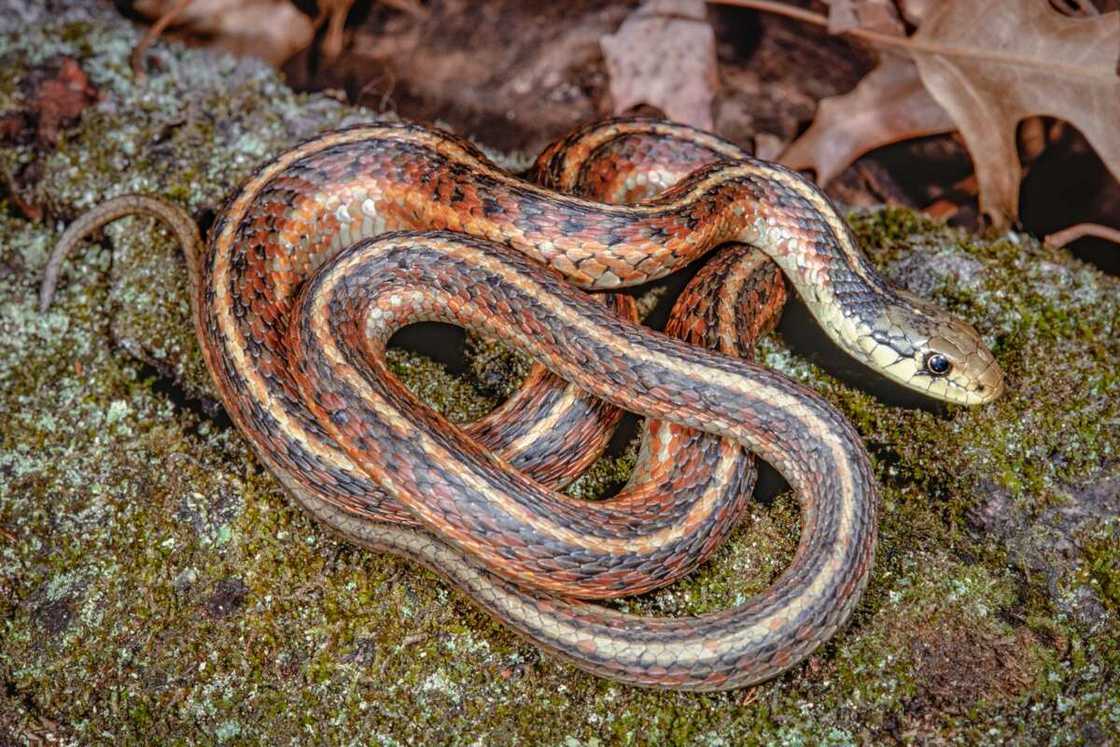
[[155, 583]]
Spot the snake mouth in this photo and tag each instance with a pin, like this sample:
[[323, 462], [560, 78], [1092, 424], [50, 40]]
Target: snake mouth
[[989, 385]]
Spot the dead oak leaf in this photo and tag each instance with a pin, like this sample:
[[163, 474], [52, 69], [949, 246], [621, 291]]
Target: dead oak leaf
[[890, 104], [664, 55], [983, 68], [990, 65]]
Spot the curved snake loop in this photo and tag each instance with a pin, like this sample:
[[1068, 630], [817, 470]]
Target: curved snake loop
[[316, 262]]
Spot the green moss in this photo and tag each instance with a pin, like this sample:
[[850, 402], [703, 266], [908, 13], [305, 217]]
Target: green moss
[[1102, 562], [157, 585]]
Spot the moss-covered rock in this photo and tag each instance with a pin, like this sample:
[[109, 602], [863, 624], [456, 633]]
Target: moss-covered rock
[[155, 583]]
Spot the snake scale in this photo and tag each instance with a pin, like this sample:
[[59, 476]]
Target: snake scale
[[334, 245]]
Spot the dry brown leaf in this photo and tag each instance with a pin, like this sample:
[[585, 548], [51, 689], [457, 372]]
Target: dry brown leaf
[[664, 55], [50, 98], [877, 15], [890, 104], [273, 30], [915, 10], [990, 65]]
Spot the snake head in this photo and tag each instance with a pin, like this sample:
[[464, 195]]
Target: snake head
[[941, 356]]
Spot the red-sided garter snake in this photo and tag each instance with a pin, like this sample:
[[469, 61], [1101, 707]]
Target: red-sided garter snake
[[301, 370]]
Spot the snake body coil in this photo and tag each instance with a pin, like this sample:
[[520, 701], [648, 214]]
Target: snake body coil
[[317, 261]]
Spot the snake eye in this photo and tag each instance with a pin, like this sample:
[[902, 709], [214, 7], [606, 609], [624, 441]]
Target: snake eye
[[937, 364]]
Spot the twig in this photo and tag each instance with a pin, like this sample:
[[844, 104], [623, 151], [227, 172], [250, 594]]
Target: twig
[[911, 44], [1073, 233], [153, 33]]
